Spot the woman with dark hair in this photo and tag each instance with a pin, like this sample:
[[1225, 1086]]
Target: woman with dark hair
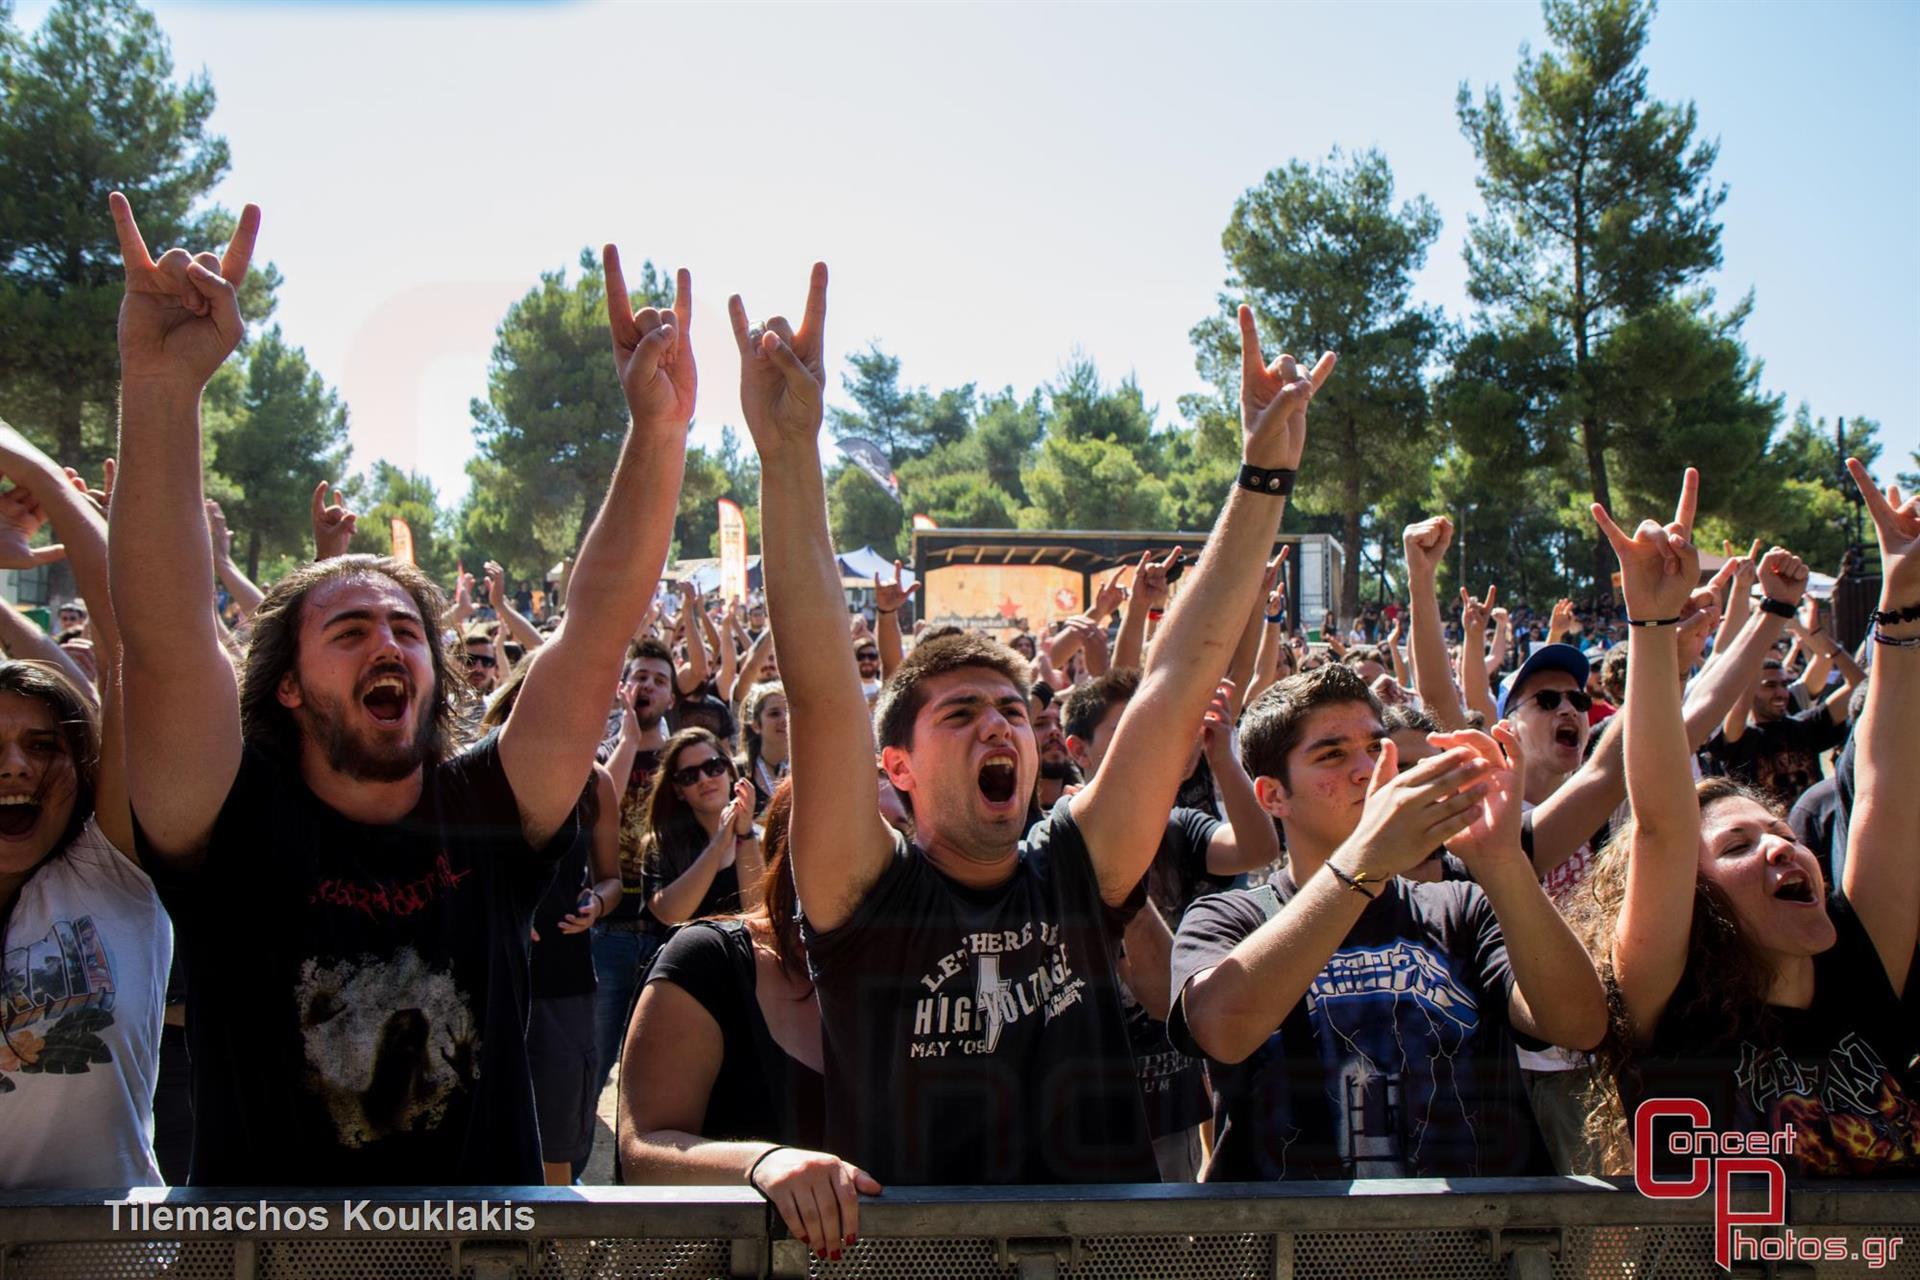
[[84, 944], [764, 715], [696, 839], [1737, 981], [721, 1078]]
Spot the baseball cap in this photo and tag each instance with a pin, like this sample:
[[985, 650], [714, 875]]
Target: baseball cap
[[1548, 657]]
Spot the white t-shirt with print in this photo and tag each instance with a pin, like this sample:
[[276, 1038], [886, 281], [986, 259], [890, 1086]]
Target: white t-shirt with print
[[83, 991]]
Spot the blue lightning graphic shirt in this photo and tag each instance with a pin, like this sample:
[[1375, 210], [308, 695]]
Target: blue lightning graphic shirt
[[1398, 1062]]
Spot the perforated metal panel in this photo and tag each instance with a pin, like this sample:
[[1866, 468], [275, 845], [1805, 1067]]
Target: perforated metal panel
[[372, 1259], [1239, 1257], [1635, 1253], [915, 1260], [1389, 1255], [121, 1260], [615, 1259]]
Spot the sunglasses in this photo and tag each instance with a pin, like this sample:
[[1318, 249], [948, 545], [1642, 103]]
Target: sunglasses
[[1549, 699], [867, 655], [711, 767], [480, 660]]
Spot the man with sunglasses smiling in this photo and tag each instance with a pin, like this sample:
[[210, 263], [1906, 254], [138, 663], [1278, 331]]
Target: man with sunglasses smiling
[[482, 658], [866, 652]]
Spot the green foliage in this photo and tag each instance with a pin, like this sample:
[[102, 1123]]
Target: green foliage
[[388, 492], [1326, 260], [89, 105], [860, 513], [904, 422], [288, 432], [1814, 514], [1910, 480], [550, 429], [1600, 210]]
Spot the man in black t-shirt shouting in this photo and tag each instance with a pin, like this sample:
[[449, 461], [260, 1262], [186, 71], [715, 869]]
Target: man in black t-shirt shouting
[[353, 901], [1359, 1023], [970, 1012], [1779, 752]]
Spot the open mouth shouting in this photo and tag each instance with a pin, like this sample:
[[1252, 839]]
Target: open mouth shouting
[[386, 699], [999, 779], [19, 815], [1795, 887]]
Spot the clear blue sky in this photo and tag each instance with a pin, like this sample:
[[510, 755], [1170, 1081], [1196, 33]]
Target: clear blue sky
[[994, 186]]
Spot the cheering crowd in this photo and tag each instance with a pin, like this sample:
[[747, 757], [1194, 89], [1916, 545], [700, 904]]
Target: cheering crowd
[[1166, 894]]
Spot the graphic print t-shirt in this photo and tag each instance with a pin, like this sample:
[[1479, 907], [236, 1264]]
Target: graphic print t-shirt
[[1398, 1063], [83, 982], [358, 995], [1781, 756], [1840, 1073], [975, 1036]]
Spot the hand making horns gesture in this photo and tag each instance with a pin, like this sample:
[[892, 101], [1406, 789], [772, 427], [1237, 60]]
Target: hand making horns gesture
[[181, 315], [653, 349], [782, 371], [1659, 565], [1274, 399]]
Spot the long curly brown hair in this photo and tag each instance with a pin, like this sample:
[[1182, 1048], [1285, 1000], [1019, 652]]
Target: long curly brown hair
[[1722, 996]]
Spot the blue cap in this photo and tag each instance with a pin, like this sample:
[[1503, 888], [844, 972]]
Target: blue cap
[[1548, 657]]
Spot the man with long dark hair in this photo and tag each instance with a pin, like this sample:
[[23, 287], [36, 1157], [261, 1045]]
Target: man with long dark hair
[[353, 902]]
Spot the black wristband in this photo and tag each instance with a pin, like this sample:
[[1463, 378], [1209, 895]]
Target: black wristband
[[1357, 884], [1651, 622], [1277, 481], [755, 1166], [1778, 608], [1889, 617]]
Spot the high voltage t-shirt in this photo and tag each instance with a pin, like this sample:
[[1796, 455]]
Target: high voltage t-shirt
[[1397, 1063], [358, 994], [975, 1035]]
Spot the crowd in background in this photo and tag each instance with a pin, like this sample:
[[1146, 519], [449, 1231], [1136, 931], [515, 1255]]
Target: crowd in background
[[352, 879]]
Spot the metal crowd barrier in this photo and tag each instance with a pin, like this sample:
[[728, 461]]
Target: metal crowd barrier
[[1469, 1229]]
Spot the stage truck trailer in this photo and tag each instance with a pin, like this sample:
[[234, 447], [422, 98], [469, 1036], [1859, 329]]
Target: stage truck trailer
[[1004, 581]]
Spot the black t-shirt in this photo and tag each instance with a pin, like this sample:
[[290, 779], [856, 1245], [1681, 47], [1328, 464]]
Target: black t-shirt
[[1172, 1085], [1781, 756], [671, 859], [562, 963], [1814, 817], [975, 1035], [1841, 1073], [761, 1092], [358, 995], [1399, 1062]]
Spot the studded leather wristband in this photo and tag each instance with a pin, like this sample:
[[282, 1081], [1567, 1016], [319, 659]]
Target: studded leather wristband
[[1277, 481]]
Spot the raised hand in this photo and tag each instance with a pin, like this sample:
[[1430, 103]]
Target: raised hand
[[1783, 576], [1476, 615], [652, 349], [1274, 399], [181, 315], [1495, 829], [332, 523], [1150, 585], [887, 597], [1659, 565], [1561, 620], [218, 535], [1216, 727], [1110, 596], [783, 372], [1426, 546], [1408, 815], [20, 518], [496, 584], [1897, 524], [1270, 578]]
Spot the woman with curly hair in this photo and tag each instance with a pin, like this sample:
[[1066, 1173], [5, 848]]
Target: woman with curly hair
[[1737, 980]]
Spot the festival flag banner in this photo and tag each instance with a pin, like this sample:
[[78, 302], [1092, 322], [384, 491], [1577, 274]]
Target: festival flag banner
[[733, 551], [872, 459], [402, 540]]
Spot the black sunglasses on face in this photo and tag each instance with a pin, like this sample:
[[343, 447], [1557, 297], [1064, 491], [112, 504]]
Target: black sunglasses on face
[[866, 656], [480, 660], [711, 767], [1549, 699]]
